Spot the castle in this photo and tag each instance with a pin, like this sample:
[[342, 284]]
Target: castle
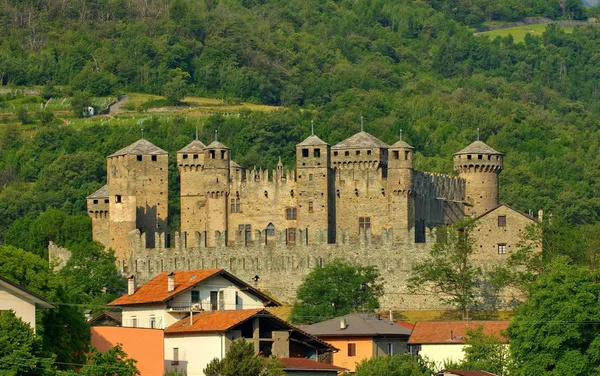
[[360, 200]]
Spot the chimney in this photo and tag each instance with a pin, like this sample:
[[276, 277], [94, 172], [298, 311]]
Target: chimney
[[343, 324], [130, 285], [171, 282], [541, 215]]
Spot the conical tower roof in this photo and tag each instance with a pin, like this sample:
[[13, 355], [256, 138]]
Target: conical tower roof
[[140, 147], [195, 146], [361, 140], [312, 140], [478, 147]]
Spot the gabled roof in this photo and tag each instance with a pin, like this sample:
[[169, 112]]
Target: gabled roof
[[23, 293], [357, 324], [448, 332], [217, 145], [361, 140], [155, 290], [195, 146], [312, 140], [303, 364], [115, 316], [478, 147], [140, 147], [401, 144], [100, 193], [509, 207]]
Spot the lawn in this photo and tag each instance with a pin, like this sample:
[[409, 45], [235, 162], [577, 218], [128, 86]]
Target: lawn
[[519, 32]]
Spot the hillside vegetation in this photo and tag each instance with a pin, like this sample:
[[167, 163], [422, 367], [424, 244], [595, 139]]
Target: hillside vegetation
[[403, 65]]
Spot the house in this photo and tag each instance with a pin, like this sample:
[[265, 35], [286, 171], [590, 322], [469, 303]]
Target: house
[[21, 301], [361, 336], [192, 342], [439, 341], [307, 367], [106, 318], [169, 297], [460, 372]]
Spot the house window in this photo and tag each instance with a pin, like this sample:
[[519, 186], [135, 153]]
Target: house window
[[153, 158], [247, 229], [502, 248], [364, 223], [235, 205], [195, 296], [139, 158], [270, 229], [133, 321], [152, 321], [501, 221], [118, 199], [214, 302], [291, 235], [290, 213], [310, 206], [352, 349], [396, 154], [304, 153], [265, 348], [310, 177], [317, 153], [390, 348], [175, 360], [238, 301]]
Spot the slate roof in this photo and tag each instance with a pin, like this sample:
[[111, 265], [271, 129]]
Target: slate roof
[[140, 147], [303, 364], [312, 141], [361, 140], [234, 164], [357, 324], [401, 144], [448, 332], [195, 146], [478, 147], [100, 193], [509, 207], [14, 289], [155, 290], [217, 145]]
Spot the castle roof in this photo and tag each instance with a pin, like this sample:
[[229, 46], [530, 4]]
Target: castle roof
[[361, 140], [312, 140], [100, 193], [140, 147], [195, 146], [401, 144], [234, 164], [478, 147], [217, 145]]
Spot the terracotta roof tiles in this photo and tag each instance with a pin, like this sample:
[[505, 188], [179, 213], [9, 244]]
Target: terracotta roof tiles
[[217, 321], [447, 332]]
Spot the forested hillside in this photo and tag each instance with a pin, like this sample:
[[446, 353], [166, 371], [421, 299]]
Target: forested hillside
[[407, 65]]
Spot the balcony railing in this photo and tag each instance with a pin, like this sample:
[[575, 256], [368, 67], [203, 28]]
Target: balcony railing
[[146, 322]]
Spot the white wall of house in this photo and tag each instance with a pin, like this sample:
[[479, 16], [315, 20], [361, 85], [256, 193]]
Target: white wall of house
[[23, 309], [438, 353], [194, 351]]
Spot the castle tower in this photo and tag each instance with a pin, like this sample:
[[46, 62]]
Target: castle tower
[[137, 193], [190, 162], [401, 210], [97, 204], [314, 182], [215, 177], [480, 166]]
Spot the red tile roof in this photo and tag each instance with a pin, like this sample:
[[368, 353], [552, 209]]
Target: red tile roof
[[217, 321], [155, 290], [453, 331], [461, 372], [302, 364]]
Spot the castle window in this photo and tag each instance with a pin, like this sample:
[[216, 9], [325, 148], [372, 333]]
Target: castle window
[[502, 248], [501, 221], [223, 154], [291, 235], [195, 156], [106, 201], [310, 206], [95, 202], [347, 153], [364, 223], [139, 157], [185, 156], [154, 159], [290, 213], [358, 152], [335, 153], [489, 157], [469, 156], [235, 205], [270, 229], [317, 153], [247, 229], [304, 153], [368, 152], [118, 199], [310, 177], [480, 156], [396, 154], [212, 154], [407, 155]]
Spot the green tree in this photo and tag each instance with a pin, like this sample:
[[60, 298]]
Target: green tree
[[21, 351], [555, 331], [336, 289], [397, 365], [177, 88], [113, 362], [485, 352], [448, 270], [240, 360]]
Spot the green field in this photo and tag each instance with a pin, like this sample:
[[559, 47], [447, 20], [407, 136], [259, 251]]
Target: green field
[[519, 32]]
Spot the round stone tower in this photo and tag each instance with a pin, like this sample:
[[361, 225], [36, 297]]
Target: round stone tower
[[480, 166]]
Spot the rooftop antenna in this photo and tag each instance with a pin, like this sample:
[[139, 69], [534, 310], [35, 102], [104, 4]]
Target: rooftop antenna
[[477, 134], [312, 128], [216, 135], [142, 133], [362, 125], [196, 133]]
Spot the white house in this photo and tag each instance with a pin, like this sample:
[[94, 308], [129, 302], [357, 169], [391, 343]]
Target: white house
[[20, 300], [441, 341]]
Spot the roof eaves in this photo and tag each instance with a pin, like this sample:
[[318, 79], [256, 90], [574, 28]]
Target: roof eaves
[[43, 303]]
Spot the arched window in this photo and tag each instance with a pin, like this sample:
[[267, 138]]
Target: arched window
[[270, 229]]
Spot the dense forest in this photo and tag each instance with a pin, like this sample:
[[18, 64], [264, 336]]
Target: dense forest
[[404, 65]]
